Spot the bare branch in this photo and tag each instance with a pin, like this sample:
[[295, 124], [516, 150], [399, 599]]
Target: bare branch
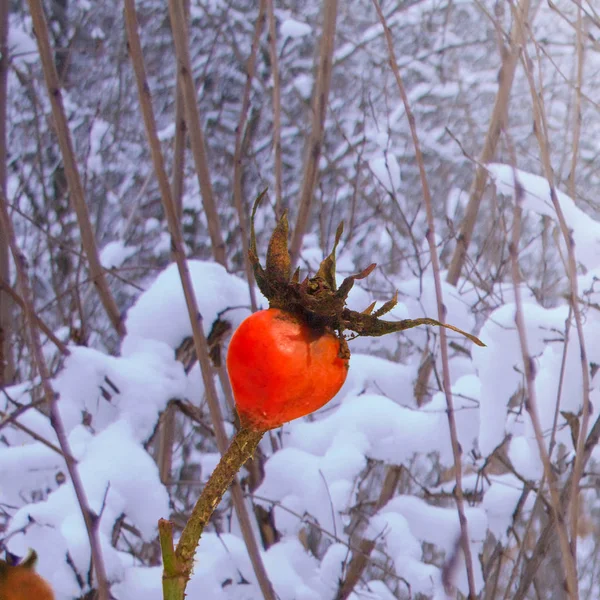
[[531, 406], [578, 466], [12, 419], [539, 551], [177, 177], [496, 125], [180, 38], [361, 555], [70, 164], [276, 110], [238, 171], [314, 145], [39, 323], [200, 344], [541, 132], [456, 450], [90, 519], [7, 366]]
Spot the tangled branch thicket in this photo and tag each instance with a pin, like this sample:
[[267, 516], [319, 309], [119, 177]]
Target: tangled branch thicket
[[458, 143]]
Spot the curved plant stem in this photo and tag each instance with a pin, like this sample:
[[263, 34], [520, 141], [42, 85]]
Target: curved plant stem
[[178, 562], [178, 250]]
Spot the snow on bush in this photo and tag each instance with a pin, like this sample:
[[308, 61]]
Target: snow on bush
[[313, 478]]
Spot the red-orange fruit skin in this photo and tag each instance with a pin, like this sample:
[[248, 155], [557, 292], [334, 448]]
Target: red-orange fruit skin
[[280, 369], [22, 583]]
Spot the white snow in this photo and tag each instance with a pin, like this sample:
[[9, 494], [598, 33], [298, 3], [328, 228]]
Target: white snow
[[115, 253], [304, 84], [536, 198], [98, 131], [323, 465], [161, 312], [386, 170], [22, 46], [291, 28], [500, 501]]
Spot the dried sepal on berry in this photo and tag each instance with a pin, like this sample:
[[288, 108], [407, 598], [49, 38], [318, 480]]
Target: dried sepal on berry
[[369, 310], [387, 306], [317, 299], [279, 263], [327, 268]]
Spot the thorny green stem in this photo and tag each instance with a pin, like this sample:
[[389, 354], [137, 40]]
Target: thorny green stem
[[178, 563], [174, 578]]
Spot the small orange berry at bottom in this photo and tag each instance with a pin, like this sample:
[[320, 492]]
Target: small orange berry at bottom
[[281, 369], [23, 583]]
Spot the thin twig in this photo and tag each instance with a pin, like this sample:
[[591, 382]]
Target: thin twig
[[305, 518], [45, 329], [192, 116], [531, 402], [541, 132], [177, 175], [12, 419], [538, 553], [496, 125], [447, 382], [561, 382], [199, 338], [76, 192], [577, 105], [238, 171], [585, 417], [7, 364], [90, 519], [166, 426], [361, 556], [166, 438], [523, 550], [276, 110], [314, 145]]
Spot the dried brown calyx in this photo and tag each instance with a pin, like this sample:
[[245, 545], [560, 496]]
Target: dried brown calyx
[[318, 299]]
